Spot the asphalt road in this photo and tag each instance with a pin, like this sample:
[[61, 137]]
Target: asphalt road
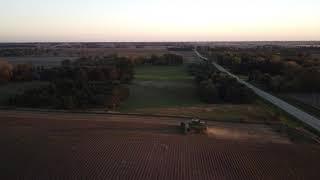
[[295, 112]]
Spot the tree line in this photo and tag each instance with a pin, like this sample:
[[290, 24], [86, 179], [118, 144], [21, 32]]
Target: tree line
[[216, 87], [164, 60], [83, 83], [280, 70]]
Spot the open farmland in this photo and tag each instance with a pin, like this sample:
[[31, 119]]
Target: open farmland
[[136, 52], [37, 61], [55, 55], [125, 51], [83, 146], [160, 86]]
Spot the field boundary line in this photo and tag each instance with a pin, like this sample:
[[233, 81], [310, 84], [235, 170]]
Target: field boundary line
[[31, 110]]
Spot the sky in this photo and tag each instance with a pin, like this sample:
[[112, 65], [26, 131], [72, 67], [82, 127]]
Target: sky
[[158, 20]]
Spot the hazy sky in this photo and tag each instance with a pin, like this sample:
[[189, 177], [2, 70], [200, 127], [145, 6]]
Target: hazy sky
[[158, 20]]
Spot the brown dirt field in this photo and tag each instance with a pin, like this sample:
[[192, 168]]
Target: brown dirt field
[[82, 146]]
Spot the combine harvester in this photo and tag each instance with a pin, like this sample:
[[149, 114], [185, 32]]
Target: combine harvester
[[195, 126]]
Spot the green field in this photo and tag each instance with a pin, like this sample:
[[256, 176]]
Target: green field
[[161, 73], [160, 86]]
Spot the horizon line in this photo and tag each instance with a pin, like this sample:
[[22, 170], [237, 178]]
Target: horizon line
[[200, 41]]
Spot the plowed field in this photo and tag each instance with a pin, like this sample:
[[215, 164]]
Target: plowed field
[[57, 146]]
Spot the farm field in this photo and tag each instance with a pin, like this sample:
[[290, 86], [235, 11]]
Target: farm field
[[37, 61], [162, 73], [75, 146], [136, 52], [127, 52], [73, 53], [160, 86]]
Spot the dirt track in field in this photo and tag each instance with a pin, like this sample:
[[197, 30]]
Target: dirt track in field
[[77, 146]]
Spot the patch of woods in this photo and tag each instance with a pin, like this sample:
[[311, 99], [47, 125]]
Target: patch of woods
[[83, 83], [278, 70], [163, 60], [216, 87]]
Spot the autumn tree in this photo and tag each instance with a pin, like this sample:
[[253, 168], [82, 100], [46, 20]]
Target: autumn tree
[[5, 71], [22, 72]]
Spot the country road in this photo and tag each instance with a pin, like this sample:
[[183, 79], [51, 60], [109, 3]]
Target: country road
[[295, 112]]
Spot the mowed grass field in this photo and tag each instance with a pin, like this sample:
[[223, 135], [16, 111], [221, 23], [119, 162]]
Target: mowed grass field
[[162, 73], [159, 87]]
